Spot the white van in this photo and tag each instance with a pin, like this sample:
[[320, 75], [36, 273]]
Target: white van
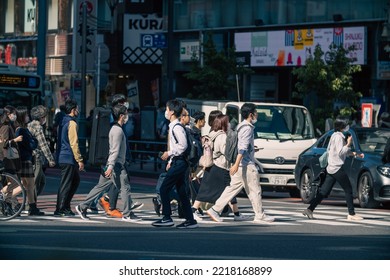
[[282, 132]]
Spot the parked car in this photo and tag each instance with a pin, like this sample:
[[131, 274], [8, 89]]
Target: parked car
[[370, 178]]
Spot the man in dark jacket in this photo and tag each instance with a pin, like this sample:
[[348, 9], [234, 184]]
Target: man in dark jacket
[[69, 159]]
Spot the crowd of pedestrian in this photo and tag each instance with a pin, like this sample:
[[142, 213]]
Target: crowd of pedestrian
[[222, 181]]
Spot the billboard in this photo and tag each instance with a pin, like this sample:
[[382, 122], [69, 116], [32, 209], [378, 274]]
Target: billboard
[[293, 47]]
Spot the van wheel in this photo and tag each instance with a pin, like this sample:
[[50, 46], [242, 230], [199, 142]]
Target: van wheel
[[307, 190], [295, 193], [366, 194]]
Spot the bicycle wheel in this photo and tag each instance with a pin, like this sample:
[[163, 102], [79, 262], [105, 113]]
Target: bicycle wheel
[[12, 196]]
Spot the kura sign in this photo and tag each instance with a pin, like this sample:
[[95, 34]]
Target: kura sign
[[143, 39]]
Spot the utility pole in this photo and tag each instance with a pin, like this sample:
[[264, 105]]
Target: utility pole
[[170, 94], [82, 106], [41, 43]]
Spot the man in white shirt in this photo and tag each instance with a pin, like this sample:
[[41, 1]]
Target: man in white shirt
[[178, 169]]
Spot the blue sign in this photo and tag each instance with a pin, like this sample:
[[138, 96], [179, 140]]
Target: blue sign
[[156, 40]]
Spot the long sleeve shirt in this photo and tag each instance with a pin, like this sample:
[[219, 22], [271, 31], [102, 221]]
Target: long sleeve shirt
[[177, 133], [337, 152], [117, 142], [219, 149], [246, 142], [37, 131]]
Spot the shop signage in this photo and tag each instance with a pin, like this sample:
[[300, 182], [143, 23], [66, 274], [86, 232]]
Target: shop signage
[[143, 39], [189, 50]]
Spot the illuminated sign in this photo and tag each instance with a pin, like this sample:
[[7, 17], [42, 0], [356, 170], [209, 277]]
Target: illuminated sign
[[19, 81]]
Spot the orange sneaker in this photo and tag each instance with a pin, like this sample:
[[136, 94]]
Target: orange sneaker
[[114, 213], [104, 204]]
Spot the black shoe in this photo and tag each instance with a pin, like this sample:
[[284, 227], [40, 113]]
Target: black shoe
[[164, 222], [69, 213], [58, 213], [82, 212], [35, 212], [157, 205], [188, 224]]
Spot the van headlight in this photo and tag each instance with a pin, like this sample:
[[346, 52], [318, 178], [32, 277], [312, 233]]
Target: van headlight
[[384, 170]]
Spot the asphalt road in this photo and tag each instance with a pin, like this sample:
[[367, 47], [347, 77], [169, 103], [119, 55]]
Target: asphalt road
[[290, 237]]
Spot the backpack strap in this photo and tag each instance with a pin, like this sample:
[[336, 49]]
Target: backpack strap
[[173, 132]]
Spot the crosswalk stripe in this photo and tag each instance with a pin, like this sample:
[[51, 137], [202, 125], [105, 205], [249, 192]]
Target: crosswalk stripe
[[285, 215]]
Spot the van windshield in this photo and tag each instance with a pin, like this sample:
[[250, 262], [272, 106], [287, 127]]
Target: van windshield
[[283, 123]]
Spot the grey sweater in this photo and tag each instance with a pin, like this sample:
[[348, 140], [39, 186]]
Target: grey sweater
[[117, 142]]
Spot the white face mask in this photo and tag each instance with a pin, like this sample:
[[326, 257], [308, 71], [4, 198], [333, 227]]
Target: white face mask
[[167, 115], [126, 118], [126, 104], [346, 128], [253, 121]]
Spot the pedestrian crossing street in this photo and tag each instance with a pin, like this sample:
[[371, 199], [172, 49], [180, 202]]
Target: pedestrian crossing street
[[285, 215]]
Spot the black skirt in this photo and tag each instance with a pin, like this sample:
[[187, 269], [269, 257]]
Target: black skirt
[[214, 182]]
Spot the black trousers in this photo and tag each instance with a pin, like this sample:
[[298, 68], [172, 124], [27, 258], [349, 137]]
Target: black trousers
[[176, 176], [70, 180], [330, 180]]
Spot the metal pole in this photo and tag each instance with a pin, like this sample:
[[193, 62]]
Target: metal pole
[[82, 132], [170, 49], [98, 75], [238, 88], [41, 43]]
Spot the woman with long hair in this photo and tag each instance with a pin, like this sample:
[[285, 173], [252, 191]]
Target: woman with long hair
[[8, 139], [26, 147]]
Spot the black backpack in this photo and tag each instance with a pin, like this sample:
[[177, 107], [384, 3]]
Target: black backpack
[[194, 146]]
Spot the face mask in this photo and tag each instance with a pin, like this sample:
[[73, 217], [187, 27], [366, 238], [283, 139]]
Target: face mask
[[43, 122], [253, 121], [167, 115], [126, 104], [126, 119], [12, 117], [346, 128]]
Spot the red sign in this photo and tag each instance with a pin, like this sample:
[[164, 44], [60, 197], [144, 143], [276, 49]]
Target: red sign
[[89, 7], [367, 110], [27, 61]]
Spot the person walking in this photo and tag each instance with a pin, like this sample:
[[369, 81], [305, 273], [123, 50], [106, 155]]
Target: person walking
[[244, 173], [115, 172], [26, 148], [69, 159], [216, 178], [338, 150], [178, 169], [38, 119], [8, 140]]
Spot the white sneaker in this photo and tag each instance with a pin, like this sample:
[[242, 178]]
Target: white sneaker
[[354, 217], [264, 219], [242, 218], [197, 216], [214, 215]]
